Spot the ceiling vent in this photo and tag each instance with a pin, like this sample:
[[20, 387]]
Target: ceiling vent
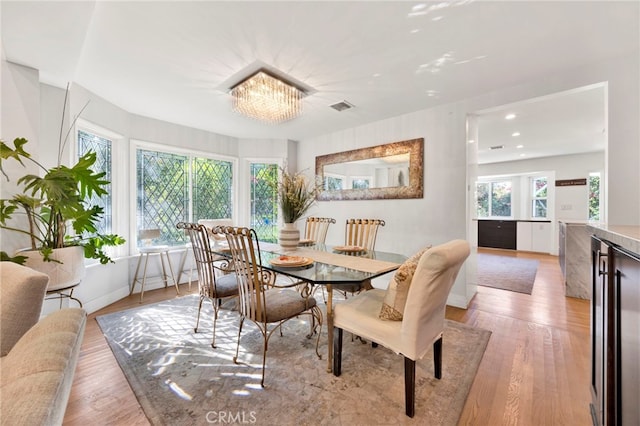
[[496, 147], [341, 106]]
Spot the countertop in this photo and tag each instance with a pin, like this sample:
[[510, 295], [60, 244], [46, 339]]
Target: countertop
[[627, 237]]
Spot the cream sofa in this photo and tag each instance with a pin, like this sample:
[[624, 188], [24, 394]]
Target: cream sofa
[[37, 357]]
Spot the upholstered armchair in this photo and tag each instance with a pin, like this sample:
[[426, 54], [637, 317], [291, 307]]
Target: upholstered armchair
[[407, 318]]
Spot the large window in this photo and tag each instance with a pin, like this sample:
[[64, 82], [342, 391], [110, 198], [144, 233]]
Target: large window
[[539, 195], [493, 198], [173, 187], [88, 142]]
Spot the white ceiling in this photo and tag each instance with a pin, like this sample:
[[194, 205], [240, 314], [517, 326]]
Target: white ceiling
[[175, 61]]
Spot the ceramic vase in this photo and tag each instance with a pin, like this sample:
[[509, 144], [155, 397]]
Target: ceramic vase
[[69, 269], [289, 236]]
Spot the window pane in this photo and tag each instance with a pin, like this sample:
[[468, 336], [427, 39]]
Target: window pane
[[360, 183], [212, 189], [332, 183], [594, 196], [539, 208], [163, 194], [264, 201], [102, 147], [500, 198], [482, 197], [540, 187]]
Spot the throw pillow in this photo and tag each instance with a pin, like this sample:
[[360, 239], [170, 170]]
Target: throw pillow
[[396, 296]]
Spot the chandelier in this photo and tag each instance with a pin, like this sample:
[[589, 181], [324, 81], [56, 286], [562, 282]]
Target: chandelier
[[267, 98]]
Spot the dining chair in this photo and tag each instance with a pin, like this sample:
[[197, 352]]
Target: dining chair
[[422, 322], [147, 249], [362, 233], [262, 301], [315, 228], [215, 238], [211, 286]]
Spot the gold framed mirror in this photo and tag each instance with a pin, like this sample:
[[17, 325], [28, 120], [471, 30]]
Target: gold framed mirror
[[393, 170]]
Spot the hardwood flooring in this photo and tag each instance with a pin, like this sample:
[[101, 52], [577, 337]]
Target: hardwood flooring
[[535, 370]]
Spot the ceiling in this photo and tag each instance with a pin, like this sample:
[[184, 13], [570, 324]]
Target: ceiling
[[175, 61]]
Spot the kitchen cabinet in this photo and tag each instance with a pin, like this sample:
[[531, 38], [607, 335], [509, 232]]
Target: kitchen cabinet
[[615, 333], [533, 235], [497, 234]]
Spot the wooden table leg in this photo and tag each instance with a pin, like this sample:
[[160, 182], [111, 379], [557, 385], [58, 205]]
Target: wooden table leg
[[329, 328]]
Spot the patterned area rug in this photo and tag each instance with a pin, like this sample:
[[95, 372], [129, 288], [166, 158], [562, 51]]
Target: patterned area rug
[[507, 273], [180, 380]]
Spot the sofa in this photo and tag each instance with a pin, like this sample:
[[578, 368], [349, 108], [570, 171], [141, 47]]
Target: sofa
[[38, 357]]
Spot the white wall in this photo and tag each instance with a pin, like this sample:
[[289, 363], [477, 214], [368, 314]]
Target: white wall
[[443, 214]]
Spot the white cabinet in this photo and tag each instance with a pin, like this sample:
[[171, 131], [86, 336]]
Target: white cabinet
[[534, 236]]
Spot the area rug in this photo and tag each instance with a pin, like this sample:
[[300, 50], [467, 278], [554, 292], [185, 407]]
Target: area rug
[[180, 380], [507, 273]]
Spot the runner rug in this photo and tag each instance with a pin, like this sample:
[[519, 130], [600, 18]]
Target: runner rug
[[507, 273], [180, 380]]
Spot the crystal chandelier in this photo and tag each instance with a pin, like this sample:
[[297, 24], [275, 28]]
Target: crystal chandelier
[[267, 98]]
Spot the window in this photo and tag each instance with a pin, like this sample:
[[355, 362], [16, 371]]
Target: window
[[264, 201], [539, 197], [360, 183], [173, 187], [88, 142], [333, 183], [493, 199], [594, 196]]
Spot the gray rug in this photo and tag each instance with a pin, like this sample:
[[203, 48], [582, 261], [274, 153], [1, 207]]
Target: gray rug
[[507, 273], [180, 380]]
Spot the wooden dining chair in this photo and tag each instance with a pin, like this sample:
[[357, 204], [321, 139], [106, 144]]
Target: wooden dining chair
[[422, 309], [316, 228], [261, 300], [211, 285]]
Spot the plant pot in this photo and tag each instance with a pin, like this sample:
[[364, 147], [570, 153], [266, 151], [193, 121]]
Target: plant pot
[[61, 275], [289, 236]]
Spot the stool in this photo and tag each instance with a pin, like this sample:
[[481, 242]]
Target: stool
[[187, 248], [60, 292], [145, 252]]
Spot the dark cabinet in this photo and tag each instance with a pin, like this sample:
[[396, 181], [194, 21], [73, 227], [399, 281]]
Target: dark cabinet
[[615, 335], [626, 339], [497, 234]]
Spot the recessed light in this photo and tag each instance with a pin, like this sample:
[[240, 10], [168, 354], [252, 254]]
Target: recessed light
[[471, 141], [514, 134], [510, 116], [523, 155], [418, 7], [377, 74], [437, 18], [415, 31], [520, 146]]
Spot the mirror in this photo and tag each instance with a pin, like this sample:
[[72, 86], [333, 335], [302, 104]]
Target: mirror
[[392, 170]]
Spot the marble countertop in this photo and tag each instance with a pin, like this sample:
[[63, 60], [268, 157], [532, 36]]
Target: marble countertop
[[625, 236]]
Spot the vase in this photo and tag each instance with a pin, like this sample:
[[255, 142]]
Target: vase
[[68, 271], [289, 236]]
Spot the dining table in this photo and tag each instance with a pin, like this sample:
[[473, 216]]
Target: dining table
[[329, 266]]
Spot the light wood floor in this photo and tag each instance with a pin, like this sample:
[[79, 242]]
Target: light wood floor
[[535, 370]]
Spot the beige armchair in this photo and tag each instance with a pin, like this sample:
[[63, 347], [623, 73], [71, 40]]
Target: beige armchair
[[261, 300], [210, 285], [422, 313]]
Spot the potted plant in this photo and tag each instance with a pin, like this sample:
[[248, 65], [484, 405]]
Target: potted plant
[[296, 194], [56, 210]]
